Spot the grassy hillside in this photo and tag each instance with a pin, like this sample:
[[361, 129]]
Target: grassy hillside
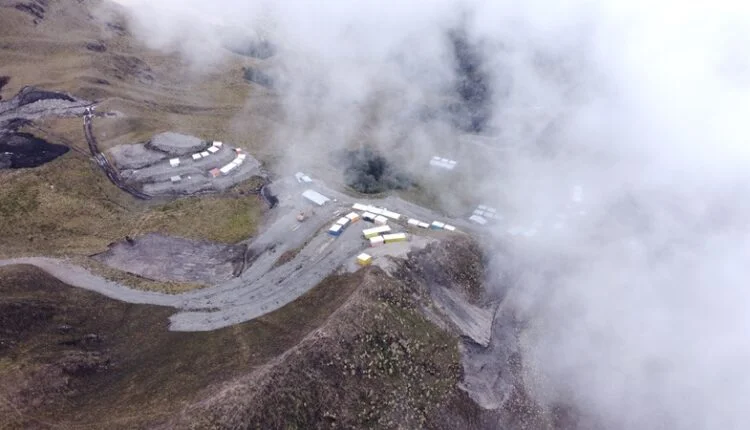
[[75, 358], [85, 48], [68, 207], [376, 363]]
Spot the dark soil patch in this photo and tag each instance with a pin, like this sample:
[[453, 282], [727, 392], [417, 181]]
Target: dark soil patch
[[3, 82], [117, 28], [24, 150], [286, 257], [369, 172], [96, 46], [15, 124], [97, 81], [35, 8], [254, 75], [127, 66], [30, 95]]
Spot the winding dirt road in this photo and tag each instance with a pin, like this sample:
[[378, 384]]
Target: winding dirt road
[[262, 287]]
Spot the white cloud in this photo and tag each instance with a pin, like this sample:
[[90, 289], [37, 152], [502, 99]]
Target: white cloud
[[647, 323]]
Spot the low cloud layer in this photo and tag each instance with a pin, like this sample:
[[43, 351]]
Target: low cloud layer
[[638, 307]]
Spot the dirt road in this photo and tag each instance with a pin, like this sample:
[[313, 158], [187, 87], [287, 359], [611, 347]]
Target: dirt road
[[264, 286]]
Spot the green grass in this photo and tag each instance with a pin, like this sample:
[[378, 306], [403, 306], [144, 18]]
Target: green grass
[[68, 207], [219, 219], [378, 364]]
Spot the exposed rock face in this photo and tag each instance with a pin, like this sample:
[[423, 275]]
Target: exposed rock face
[[32, 103], [135, 156], [165, 258], [176, 144]]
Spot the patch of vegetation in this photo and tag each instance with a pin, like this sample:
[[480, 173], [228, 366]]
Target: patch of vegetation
[[218, 219], [380, 364], [68, 207], [79, 359]]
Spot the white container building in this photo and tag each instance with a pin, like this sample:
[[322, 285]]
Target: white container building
[[437, 225], [368, 216], [228, 168], [196, 156], [375, 231], [343, 221], [205, 154], [218, 144], [213, 149], [413, 222], [315, 197], [381, 220], [175, 179], [449, 227], [391, 215], [443, 163], [377, 241], [174, 162], [394, 237], [478, 219], [423, 225]]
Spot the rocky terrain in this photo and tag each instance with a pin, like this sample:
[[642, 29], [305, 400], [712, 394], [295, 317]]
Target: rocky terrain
[[149, 168], [19, 149], [287, 332], [165, 258], [368, 356]]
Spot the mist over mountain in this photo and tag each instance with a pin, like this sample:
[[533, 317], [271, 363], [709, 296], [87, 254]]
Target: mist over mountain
[[636, 305]]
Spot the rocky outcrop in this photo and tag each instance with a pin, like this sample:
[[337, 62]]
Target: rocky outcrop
[[176, 143], [452, 272], [134, 156]]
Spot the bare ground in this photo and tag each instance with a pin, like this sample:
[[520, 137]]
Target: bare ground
[[165, 258]]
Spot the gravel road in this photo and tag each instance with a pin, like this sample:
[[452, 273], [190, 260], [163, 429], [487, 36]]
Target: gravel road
[[263, 287]]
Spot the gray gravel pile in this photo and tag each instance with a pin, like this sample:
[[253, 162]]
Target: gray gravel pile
[[134, 156], [176, 144], [166, 258]]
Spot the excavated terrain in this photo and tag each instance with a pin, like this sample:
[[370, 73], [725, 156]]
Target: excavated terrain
[[358, 351]]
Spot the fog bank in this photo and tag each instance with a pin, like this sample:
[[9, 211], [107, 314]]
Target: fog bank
[[636, 300]]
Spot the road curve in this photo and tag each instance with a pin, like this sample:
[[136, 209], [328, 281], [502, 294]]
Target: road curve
[[79, 277], [264, 286]]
